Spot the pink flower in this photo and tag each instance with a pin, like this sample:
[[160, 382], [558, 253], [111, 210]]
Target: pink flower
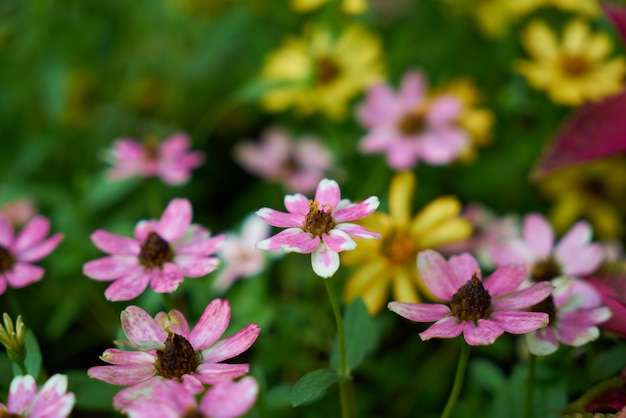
[[169, 399], [481, 310], [239, 253], [408, 126], [165, 348], [52, 401], [612, 287], [296, 164], [162, 254], [19, 211], [573, 256], [171, 160], [319, 226], [575, 308], [17, 253]]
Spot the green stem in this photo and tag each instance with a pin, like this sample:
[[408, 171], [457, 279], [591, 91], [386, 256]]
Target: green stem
[[346, 391], [153, 197], [458, 380], [530, 385]]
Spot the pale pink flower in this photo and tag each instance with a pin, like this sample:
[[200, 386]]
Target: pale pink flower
[[52, 400], [239, 254], [575, 309], [170, 160], [297, 164], [18, 252], [572, 256], [481, 310], [165, 348], [319, 227], [409, 126], [19, 211], [162, 253], [169, 399]]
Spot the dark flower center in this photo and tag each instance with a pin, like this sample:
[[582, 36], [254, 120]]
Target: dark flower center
[[575, 65], [194, 413], [545, 270], [471, 302], [318, 221], [155, 251], [178, 358], [4, 414], [399, 248], [546, 306], [412, 123], [327, 70], [152, 148], [6, 260]]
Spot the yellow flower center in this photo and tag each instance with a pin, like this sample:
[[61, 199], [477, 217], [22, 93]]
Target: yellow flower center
[[6, 260], [178, 358], [327, 70], [575, 65], [319, 220], [155, 251], [471, 302], [399, 248]]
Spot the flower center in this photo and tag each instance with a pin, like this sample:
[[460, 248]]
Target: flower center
[[546, 306], [327, 70], [399, 248], [575, 65], [6, 260], [178, 358], [318, 221], [5, 414], [155, 251], [151, 146], [471, 302], [545, 270], [412, 123], [194, 413]]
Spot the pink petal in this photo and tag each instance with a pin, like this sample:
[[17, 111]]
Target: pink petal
[[523, 298], [212, 373], [576, 238], [357, 231], [232, 346], [175, 321], [437, 275], [291, 240], [139, 326], [586, 261], [120, 357], [143, 229], [175, 220], [328, 193], [357, 211], [297, 204], [21, 393], [193, 266], [449, 327], [52, 401], [441, 145], [514, 251], [211, 325], [463, 267], [538, 235], [6, 232], [202, 247], [420, 312], [505, 279], [338, 241], [111, 268], [484, 333], [128, 286], [281, 219], [41, 250], [167, 279], [115, 244], [122, 375], [325, 262], [444, 110], [23, 274], [230, 399], [379, 108], [585, 318], [576, 335], [542, 342], [520, 322], [412, 89], [33, 232]]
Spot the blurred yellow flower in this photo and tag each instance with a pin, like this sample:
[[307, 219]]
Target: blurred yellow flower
[[585, 7], [392, 260], [353, 7], [321, 72], [575, 70], [595, 190]]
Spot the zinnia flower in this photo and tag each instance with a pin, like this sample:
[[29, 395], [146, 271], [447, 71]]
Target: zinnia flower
[[165, 348], [575, 70], [322, 71], [481, 310], [17, 253], [320, 226], [298, 165], [52, 400], [170, 399], [162, 254], [171, 160], [408, 126], [391, 261]]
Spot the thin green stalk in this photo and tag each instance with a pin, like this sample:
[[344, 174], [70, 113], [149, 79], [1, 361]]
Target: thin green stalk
[[346, 391], [530, 385], [458, 380]]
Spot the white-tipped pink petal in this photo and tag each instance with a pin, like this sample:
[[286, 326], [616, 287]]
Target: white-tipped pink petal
[[120, 357], [420, 312], [328, 193], [505, 279], [110, 268], [484, 333], [231, 346], [174, 321], [449, 327], [127, 374], [463, 267], [39, 251], [21, 393], [34, 231], [542, 342], [516, 322], [212, 373], [175, 220], [230, 399], [280, 219], [211, 325], [357, 211], [523, 298], [576, 335], [437, 275], [52, 401], [325, 262], [115, 244], [357, 231], [297, 204], [138, 325], [338, 241], [291, 240], [130, 285], [538, 235]]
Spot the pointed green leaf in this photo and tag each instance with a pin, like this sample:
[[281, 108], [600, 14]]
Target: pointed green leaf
[[312, 385], [360, 335]]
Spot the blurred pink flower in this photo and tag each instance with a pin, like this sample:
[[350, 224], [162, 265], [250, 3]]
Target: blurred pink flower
[[319, 227], [482, 311], [19, 211], [239, 253], [575, 308], [409, 126], [52, 401], [612, 287], [18, 252], [171, 160], [162, 254], [296, 164], [169, 399], [573, 256], [165, 348]]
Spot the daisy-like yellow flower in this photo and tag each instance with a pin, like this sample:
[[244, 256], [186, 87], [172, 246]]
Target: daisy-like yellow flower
[[392, 260], [322, 71], [353, 7], [575, 70], [595, 190]]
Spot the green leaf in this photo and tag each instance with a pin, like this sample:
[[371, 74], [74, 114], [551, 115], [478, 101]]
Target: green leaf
[[608, 362], [90, 393], [360, 335], [312, 385]]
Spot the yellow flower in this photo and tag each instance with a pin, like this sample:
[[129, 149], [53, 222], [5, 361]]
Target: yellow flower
[[392, 260], [595, 190], [574, 71], [353, 7], [321, 72], [585, 7]]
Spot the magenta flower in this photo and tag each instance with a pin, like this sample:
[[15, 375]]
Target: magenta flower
[[612, 287], [165, 348], [169, 399], [573, 256], [17, 253], [171, 160], [481, 310], [319, 227], [162, 254], [408, 126], [52, 401], [296, 164], [575, 309]]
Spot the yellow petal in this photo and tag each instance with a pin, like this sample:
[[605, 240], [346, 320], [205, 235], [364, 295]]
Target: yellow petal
[[575, 37], [354, 7], [540, 41], [306, 5], [436, 211], [453, 230], [401, 197], [369, 282], [404, 286]]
